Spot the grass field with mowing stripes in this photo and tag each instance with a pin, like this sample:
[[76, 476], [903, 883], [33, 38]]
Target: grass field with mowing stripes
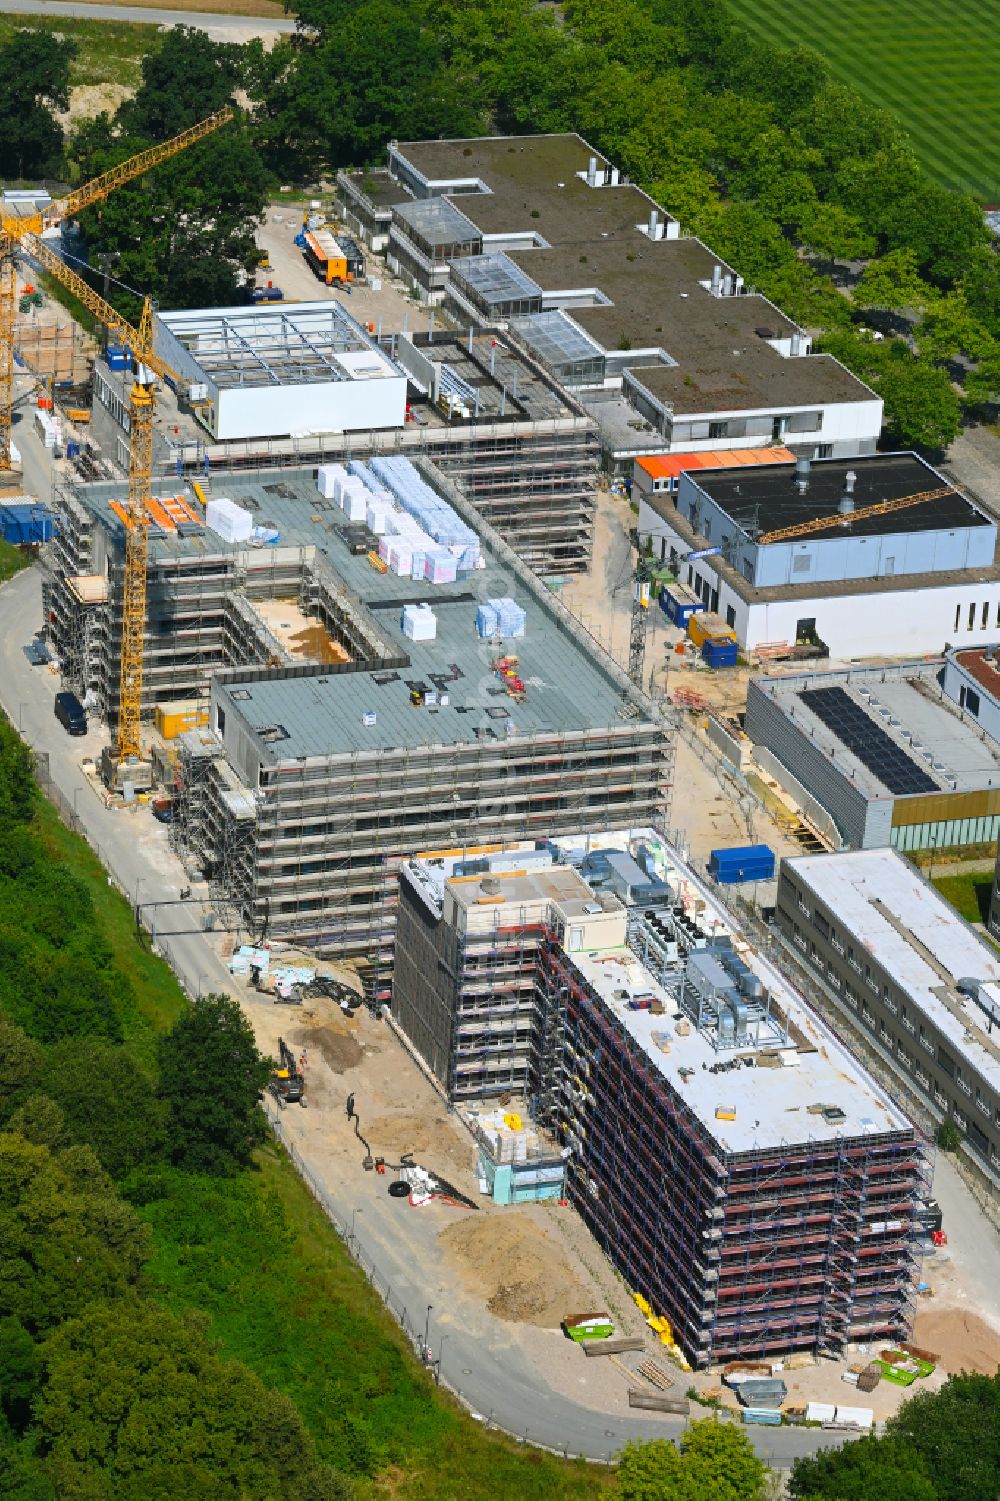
[[935, 65]]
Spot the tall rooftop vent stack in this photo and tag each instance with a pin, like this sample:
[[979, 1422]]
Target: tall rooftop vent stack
[[802, 468], [716, 281], [654, 220], [592, 172], [846, 505], [796, 342]]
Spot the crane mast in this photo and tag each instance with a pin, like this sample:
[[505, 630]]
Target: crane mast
[[25, 234]]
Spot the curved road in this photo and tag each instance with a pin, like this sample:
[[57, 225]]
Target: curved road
[[205, 20], [487, 1369]]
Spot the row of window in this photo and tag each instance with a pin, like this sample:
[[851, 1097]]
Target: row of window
[[965, 619]]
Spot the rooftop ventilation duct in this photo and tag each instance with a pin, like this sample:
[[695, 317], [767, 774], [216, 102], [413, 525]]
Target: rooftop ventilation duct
[[796, 342], [592, 172], [716, 281], [802, 470], [654, 224]]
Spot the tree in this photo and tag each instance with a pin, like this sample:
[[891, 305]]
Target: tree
[[67, 1239], [137, 1404], [714, 1462], [211, 1080], [20, 1369], [956, 1435], [20, 1064], [107, 1101], [893, 283], [34, 81], [948, 329], [831, 232], [869, 1469], [185, 77], [921, 406]]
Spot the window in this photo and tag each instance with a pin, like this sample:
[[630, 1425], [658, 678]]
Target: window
[[986, 615], [748, 570], [802, 562], [730, 616], [718, 429], [958, 615], [824, 450], [777, 429], [890, 567], [968, 698], [220, 721], [972, 617]]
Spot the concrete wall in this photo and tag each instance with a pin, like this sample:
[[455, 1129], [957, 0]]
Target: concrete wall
[[334, 406]]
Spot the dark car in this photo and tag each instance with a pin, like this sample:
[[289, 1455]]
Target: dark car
[[70, 714]]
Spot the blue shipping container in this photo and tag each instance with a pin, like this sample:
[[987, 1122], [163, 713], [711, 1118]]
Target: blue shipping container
[[679, 604], [750, 862], [25, 522], [719, 653]]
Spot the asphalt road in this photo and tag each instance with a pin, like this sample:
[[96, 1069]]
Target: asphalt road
[[478, 1358], [204, 20]]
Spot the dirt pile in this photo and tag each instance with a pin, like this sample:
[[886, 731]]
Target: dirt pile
[[962, 1340], [431, 1138], [512, 1263]]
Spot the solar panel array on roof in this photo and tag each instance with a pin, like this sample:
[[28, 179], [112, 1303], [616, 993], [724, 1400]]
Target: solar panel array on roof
[[868, 741]]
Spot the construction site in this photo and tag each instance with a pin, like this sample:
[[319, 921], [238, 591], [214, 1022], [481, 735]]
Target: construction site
[[738, 1167], [333, 742]]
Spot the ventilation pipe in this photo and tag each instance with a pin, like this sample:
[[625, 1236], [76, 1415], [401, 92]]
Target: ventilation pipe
[[847, 499], [796, 345], [802, 467], [592, 172], [716, 281], [654, 220]]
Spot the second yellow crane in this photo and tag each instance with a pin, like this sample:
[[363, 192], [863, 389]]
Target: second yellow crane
[[24, 233]]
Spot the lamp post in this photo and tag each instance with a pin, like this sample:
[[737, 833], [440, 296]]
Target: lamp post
[[354, 1212], [427, 1331], [437, 1368]]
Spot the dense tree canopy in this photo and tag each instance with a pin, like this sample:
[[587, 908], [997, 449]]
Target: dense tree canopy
[[34, 81], [712, 1461], [211, 1081], [138, 1399]]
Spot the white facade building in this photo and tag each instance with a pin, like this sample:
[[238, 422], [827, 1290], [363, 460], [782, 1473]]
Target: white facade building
[[276, 371]]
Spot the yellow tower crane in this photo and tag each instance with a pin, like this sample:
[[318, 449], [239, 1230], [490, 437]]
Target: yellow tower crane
[[845, 518], [24, 233]]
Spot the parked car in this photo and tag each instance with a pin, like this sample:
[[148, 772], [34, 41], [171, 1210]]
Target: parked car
[[70, 714]]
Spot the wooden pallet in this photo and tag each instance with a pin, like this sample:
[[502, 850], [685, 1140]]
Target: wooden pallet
[[655, 1374]]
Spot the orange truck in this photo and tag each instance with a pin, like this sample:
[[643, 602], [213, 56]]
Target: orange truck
[[335, 259]]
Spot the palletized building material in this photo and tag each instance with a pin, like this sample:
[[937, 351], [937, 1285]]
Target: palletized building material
[[419, 622], [511, 618], [355, 504], [486, 621], [440, 567], [326, 479], [228, 520]]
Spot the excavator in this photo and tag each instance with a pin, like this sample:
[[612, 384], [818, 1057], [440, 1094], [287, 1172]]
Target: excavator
[[287, 1083]]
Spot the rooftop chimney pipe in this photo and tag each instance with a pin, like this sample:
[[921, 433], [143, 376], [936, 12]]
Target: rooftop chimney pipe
[[592, 172], [716, 279], [654, 220], [802, 467], [796, 342]]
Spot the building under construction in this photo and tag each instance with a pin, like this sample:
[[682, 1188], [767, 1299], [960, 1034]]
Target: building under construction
[[736, 1164], [490, 416], [364, 700]]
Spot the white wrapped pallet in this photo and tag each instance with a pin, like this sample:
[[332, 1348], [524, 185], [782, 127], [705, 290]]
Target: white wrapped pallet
[[326, 479], [419, 622], [375, 518], [355, 504], [228, 520]]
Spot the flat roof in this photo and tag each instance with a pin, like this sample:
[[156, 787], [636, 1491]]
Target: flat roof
[[766, 498], [670, 465], [918, 937], [570, 685], [656, 291], [903, 703], [301, 343], [771, 1105]]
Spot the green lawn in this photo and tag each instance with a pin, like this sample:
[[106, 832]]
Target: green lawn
[[936, 63], [968, 893], [109, 51], [11, 559]]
